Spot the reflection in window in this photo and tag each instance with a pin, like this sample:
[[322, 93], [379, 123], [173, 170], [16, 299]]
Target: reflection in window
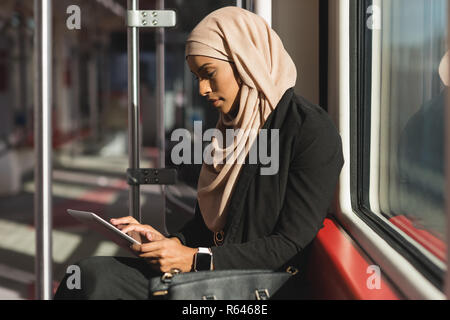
[[410, 46]]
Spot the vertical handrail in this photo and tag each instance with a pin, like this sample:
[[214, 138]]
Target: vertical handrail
[[160, 101], [160, 88], [263, 8], [43, 148], [93, 98], [133, 112]]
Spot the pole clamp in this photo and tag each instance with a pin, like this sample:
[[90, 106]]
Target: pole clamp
[[136, 177], [151, 18]]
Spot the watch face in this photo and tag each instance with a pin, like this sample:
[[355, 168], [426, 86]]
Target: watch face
[[203, 262]]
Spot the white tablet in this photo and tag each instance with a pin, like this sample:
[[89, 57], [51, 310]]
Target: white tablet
[[105, 228]]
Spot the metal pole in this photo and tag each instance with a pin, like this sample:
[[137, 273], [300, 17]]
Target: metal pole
[[93, 96], [263, 8], [43, 148], [160, 101], [133, 111], [160, 88], [23, 69]]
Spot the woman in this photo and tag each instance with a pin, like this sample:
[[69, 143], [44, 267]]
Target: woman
[[243, 219]]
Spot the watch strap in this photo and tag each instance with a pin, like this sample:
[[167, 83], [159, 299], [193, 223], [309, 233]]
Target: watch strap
[[200, 264]]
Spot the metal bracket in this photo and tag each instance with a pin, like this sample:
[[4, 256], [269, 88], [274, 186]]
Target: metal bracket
[[137, 177], [262, 294], [151, 18]]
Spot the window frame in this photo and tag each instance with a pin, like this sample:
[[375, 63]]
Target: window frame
[[393, 256], [360, 134]]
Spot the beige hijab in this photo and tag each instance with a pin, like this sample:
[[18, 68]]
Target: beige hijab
[[443, 70], [266, 70]]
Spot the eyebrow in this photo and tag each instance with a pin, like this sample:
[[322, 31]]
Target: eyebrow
[[203, 67]]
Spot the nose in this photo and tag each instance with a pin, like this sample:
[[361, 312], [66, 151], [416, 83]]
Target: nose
[[204, 87]]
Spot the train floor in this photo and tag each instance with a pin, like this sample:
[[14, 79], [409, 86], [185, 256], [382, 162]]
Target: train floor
[[75, 186]]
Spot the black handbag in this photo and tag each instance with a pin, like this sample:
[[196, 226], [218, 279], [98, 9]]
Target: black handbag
[[219, 285]]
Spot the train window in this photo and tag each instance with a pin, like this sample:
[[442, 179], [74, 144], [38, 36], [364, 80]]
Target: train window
[[402, 84]]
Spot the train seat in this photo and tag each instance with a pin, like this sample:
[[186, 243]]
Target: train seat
[[339, 270]]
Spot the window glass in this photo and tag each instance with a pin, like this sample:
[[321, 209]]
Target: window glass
[[407, 104]]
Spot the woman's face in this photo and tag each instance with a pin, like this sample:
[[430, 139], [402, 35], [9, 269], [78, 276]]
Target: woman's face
[[218, 82]]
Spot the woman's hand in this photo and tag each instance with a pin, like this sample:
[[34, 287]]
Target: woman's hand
[[162, 253], [165, 254], [140, 232]]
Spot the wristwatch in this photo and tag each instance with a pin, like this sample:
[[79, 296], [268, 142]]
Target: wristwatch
[[203, 260]]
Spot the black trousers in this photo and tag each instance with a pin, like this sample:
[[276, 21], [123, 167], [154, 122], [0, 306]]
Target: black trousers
[[114, 278], [109, 278]]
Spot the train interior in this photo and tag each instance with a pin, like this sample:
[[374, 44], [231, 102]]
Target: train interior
[[379, 67]]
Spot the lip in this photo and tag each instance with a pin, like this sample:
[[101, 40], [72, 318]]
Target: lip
[[214, 102]]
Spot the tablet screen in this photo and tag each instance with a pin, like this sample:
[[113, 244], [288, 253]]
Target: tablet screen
[[103, 227]]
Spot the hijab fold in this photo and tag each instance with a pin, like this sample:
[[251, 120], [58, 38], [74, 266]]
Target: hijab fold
[[267, 71]]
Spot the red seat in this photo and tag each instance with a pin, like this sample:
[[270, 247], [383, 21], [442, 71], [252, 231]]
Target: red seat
[[339, 270]]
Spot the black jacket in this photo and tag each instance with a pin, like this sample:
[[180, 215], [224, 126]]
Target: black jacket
[[272, 219]]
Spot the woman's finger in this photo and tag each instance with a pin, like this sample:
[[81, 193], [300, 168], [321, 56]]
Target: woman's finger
[[124, 220], [153, 255], [123, 223], [144, 232], [135, 227], [155, 234], [154, 246], [150, 228], [140, 233], [136, 248]]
